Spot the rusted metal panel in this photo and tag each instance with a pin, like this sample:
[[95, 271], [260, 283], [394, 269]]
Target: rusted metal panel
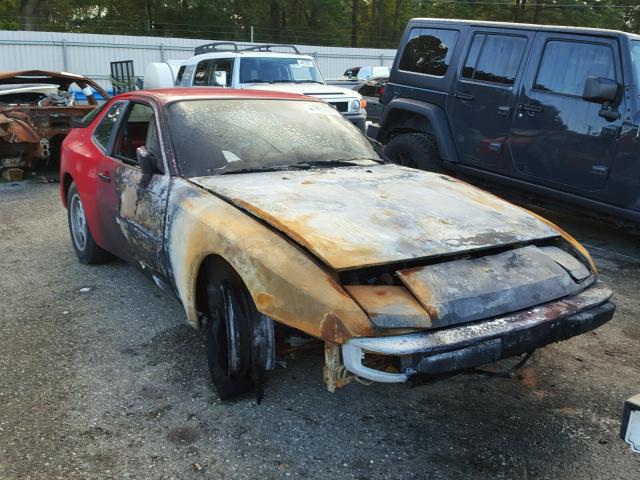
[[362, 216], [26, 128], [283, 281], [390, 306], [575, 268], [472, 289]]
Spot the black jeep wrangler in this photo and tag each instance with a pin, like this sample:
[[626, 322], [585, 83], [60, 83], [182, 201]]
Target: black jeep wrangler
[[553, 110]]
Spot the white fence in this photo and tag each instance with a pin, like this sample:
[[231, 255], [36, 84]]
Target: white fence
[[89, 54]]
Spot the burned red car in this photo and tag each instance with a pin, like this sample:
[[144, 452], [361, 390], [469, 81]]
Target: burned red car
[[268, 213], [36, 111]]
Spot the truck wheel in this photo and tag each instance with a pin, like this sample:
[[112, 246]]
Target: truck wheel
[[415, 150], [240, 340], [86, 248]]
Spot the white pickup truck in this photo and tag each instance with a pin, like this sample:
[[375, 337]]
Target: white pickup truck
[[225, 64]]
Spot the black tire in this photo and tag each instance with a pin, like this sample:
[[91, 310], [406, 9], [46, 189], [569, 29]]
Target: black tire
[[240, 340], [415, 150], [86, 249]]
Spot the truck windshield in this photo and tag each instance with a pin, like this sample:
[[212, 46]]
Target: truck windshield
[[279, 70], [635, 60], [212, 137]]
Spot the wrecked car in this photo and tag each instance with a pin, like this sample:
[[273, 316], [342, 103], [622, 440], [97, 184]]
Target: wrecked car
[[36, 108], [267, 211]]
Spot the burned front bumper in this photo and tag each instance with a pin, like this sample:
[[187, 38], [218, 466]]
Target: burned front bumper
[[447, 350]]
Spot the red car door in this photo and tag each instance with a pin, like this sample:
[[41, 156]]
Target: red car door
[[132, 205]]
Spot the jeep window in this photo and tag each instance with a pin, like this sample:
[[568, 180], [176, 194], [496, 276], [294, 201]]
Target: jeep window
[[209, 72], [635, 60], [279, 70], [224, 136], [103, 131], [565, 66], [428, 51], [185, 76], [494, 58]]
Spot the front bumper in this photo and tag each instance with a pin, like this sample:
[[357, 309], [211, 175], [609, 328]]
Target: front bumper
[[358, 119], [470, 345]]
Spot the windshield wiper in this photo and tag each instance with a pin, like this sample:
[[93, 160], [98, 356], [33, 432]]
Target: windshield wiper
[[255, 80], [341, 162], [309, 81], [274, 168]]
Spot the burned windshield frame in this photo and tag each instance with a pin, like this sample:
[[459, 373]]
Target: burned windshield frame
[[271, 137]]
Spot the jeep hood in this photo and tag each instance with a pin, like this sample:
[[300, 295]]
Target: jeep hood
[[352, 217], [311, 89]]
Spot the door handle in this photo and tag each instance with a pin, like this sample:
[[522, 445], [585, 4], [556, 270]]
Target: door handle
[[504, 109], [463, 96], [530, 108], [104, 177]]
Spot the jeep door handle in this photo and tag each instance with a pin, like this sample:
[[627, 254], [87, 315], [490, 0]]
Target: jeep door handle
[[463, 96], [530, 108], [104, 177], [504, 109]]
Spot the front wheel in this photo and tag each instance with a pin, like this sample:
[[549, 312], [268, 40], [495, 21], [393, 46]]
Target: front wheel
[[86, 248], [240, 340], [415, 150]]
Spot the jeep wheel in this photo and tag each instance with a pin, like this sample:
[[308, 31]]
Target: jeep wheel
[[415, 150]]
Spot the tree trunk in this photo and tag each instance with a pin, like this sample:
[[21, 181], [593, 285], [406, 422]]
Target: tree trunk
[[354, 22], [274, 10], [29, 12]]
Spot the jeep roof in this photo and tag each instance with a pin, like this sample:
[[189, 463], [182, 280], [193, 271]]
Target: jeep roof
[[528, 26]]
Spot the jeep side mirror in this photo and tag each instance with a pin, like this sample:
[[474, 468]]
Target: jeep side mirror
[[600, 90], [604, 91], [145, 160]]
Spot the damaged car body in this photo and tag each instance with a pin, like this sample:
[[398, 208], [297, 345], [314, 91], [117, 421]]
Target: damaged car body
[[260, 209], [36, 112]]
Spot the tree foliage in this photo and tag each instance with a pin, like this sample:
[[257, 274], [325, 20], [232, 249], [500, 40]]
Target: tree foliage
[[365, 23]]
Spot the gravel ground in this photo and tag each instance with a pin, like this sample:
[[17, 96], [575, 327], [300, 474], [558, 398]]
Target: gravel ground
[[110, 382]]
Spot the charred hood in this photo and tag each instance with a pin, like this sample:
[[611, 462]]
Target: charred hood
[[353, 217]]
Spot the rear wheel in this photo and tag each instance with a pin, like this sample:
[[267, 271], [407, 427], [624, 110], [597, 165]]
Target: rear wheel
[[240, 340], [415, 150], [86, 249]]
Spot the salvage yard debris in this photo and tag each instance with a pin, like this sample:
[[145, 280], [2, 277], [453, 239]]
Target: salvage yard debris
[[36, 112]]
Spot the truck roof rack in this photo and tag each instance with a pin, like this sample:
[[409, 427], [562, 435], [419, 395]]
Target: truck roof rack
[[267, 48], [215, 47]]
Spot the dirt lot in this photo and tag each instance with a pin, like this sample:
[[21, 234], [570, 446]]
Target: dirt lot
[[112, 383]]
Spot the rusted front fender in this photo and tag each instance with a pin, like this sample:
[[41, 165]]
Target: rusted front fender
[[284, 282]]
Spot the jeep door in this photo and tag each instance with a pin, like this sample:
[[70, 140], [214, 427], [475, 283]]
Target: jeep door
[[483, 99], [557, 138]]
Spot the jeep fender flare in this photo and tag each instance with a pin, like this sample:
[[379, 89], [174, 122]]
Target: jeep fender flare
[[436, 124]]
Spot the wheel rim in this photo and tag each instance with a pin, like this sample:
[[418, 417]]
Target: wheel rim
[[230, 309], [78, 223]]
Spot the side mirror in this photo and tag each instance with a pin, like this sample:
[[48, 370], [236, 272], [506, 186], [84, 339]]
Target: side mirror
[[145, 160], [220, 78], [600, 90]]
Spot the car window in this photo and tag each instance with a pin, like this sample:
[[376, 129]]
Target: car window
[[565, 66], [213, 136], [214, 73], [134, 132], [103, 131], [428, 51], [274, 70], [494, 58]]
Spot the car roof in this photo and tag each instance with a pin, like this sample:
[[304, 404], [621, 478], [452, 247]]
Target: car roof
[[166, 95], [527, 26], [248, 54]]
